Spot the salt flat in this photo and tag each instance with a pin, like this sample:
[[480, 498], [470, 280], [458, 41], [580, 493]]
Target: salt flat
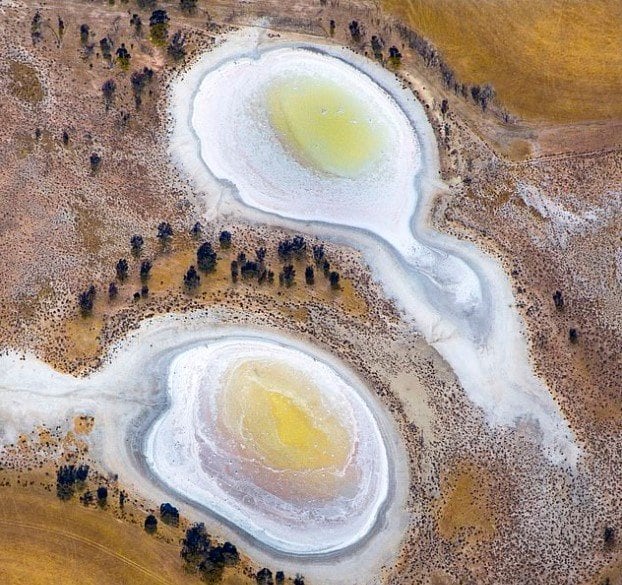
[[458, 297]]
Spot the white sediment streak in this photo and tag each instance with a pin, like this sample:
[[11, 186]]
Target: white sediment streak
[[189, 450], [460, 298]]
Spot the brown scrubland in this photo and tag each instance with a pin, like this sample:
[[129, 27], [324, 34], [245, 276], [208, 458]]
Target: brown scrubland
[[535, 179]]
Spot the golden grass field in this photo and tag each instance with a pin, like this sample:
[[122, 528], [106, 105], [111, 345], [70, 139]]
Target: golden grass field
[[554, 60], [48, 541]]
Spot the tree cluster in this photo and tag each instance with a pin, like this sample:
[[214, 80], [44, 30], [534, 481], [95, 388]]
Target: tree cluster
[[66, 478], [207, 558]]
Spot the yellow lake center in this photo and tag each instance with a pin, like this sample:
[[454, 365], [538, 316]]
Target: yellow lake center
[[324, 125], [282, 419]]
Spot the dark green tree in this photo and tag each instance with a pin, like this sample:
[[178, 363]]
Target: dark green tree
[[206, 257], [151, 524], [225, 239], [137, 242], [145, 270], [109, 88], [169, 514], [86, 300], [192, 279], [158, 27], [122, 269], [177, 46], [165, 232]]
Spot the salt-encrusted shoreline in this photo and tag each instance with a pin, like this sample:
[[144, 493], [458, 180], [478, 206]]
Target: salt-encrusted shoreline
[[130, 393], [183, 451], [457, 296]]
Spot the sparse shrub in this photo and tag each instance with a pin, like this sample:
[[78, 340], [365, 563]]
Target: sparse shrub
[[95, 161], [165, 232], [158, 27], [122, 269], [151, 524], [109, 88], [188, 6], [86, 300], [177, 46], [113, 291], [192, 279], [137, 242], [169, 514]]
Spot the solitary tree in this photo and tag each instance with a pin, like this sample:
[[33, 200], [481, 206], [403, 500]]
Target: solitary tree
[[318, 253], [105, 45], [192, 279], [102, 495], [108, 89], [123, 57], [95, 161], [86, 300], [151, 524], [85, 33], [158, 27], [145, 269], [288, 275], [137, 242], [169, 514], [177, 46], [234, 270], [197, 230], [333, 277], [264, 577], [355, 31], [122, 269], [206, 257], [558, 299], [225, 239], [309, 275], [395, 57], [165, 232], [113, 291]]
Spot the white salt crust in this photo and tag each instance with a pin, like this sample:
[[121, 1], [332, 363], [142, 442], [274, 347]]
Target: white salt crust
[[186, 450], [458, 297], [132, 399]]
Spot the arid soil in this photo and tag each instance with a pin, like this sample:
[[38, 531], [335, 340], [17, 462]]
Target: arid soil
[[545, 199]]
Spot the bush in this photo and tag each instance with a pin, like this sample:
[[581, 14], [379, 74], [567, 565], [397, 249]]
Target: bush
[[151, 524]]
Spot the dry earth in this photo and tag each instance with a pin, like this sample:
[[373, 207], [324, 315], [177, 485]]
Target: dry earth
[[544, 198]]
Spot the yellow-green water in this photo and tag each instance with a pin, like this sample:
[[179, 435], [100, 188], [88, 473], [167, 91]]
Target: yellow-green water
[[283, 420], [324, 125]]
